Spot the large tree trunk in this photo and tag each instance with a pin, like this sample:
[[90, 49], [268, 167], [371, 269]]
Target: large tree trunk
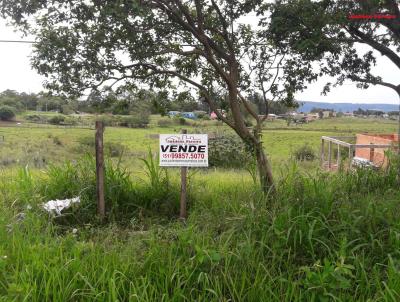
[[264, 169]]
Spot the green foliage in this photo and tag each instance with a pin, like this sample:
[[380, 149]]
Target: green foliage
[[323, 280], [179, 120], [57, 120], [321, 31], [304, 153], [132, 121], [228, 151], [125, 199], [7, 113], [324, 237], [57, 141], [164, 122], [248, 123], [36, 118], [135, 121], [111, 149]]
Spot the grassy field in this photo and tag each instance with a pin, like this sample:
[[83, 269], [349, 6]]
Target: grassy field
[[319, 237], [39, 145]]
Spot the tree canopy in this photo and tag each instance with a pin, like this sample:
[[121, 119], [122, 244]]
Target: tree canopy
[[209, 45], [328, 32]]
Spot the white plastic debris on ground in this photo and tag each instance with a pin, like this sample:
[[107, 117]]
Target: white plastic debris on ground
[[56, 206]]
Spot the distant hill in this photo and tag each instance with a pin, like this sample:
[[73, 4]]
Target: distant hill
[[346, 107]]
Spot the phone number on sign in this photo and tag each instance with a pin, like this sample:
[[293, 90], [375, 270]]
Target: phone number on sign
[[184, 155]]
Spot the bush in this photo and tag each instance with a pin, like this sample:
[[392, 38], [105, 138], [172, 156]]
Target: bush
[[36, 118], [229, 151], [201, 114], [7, 113], [57, 120], [164, 122], [71, 121], [182, 121], [135, 121], [179, 120], [304, 153], [66, 109], [131, 121]]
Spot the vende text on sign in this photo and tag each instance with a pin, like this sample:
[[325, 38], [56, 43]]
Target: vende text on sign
[[183, 150]]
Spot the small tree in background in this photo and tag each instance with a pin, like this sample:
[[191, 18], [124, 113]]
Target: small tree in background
[[7, 113]]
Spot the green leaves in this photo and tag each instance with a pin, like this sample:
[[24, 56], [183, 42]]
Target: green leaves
[[325, 281], [323, 32]]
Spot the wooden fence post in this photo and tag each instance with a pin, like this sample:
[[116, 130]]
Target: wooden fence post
[[329, 155], [101, 208], [322, 159], [183, 204], [350, 157]]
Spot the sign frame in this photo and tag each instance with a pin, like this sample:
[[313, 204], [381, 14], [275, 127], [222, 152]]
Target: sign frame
[[183, 150]]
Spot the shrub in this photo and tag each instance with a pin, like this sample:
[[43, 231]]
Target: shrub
[[57, 120], [229, 151], [304, 153], [36, 118], [179, 120], [182, 121], [201, 114], [7, 113], [135, 121], [164, 122], [66, 109], [71, 121]]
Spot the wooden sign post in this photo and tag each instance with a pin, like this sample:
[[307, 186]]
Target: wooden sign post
[[183, 204], [101, 207]]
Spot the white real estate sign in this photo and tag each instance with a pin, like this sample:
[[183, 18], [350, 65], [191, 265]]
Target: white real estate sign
[[184, 150]]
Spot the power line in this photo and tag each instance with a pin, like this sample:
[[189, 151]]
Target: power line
[[17, 41]]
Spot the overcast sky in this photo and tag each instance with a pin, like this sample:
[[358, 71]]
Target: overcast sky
[[16, 74]]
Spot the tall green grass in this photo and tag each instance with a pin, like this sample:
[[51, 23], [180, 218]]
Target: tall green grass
[[323, 237]]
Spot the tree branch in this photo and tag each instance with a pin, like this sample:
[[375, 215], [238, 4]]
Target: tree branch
[[373, 82], [386, 51]]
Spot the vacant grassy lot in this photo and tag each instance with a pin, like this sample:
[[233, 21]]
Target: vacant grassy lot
[[320, 237], [38, 146]]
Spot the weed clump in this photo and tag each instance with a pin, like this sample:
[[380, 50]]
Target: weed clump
[[304, 153], [229, 151], [125, 199], [111, 149], [164, 122]]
